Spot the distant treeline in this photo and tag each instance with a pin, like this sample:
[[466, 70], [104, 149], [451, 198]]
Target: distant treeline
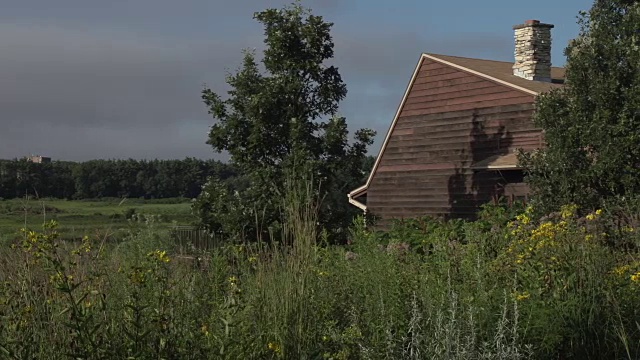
[[109, 178]]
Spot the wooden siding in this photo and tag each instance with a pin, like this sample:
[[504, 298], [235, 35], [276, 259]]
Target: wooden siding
[[450, 120]]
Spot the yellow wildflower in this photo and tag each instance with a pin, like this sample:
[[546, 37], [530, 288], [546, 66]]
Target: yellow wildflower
[[525, 295], [204, 329], [568, 211], [160, 256], [594, 215], [275, 347], [523, 218], [636, 277]]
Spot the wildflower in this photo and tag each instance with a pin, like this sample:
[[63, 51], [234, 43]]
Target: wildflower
[[588, 237], [325, 338], [56, 278], [204, 329], [636, 277], [525, 295], [523, 218], [568, 211], [322, 273], [86, 245], [275, 347], [160, 256], [252, 259], [620, 270], [594, 215]]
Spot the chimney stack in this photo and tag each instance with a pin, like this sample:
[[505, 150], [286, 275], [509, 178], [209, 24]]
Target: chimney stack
[[533, 51]]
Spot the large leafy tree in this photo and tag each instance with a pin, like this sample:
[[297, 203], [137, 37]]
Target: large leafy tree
[[592, 125], [279, 120]]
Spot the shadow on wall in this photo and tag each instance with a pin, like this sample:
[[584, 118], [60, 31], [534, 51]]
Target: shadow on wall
[[464, 200]]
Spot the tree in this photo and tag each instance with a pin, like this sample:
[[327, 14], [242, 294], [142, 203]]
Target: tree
[[592, 125], [278, 121]]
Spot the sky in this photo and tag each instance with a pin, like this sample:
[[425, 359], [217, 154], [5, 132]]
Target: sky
[[88, 79]]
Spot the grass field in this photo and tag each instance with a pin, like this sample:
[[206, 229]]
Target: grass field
[[80, 217]]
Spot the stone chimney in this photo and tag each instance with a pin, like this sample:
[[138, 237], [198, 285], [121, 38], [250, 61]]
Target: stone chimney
[[533, 51]]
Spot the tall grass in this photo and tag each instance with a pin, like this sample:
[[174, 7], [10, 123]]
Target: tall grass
[[424, 290]]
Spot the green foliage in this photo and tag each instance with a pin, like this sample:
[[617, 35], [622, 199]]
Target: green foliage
[[110, 178], [509, 286], [274, 124], [592, 124]]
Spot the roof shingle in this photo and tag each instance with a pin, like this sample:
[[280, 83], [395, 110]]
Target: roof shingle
[[502, 70]]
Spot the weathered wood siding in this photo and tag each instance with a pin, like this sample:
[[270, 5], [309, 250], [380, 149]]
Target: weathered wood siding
[[450, 120]]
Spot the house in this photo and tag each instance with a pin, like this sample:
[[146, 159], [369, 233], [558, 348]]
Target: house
[[451, 145], [39, 159]]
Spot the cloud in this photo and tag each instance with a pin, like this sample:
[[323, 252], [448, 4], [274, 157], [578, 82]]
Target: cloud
[[79, 92], [57, 76]]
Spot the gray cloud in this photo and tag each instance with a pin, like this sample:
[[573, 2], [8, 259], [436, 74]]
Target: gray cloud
[[67, 78], [78, 92]]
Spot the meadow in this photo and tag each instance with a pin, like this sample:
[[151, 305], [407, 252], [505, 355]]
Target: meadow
[[99, 217], [508, 286]]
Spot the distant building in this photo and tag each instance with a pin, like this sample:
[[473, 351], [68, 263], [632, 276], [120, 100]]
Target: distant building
[[39, 159]]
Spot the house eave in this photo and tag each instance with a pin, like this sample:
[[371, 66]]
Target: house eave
[[357, 203]]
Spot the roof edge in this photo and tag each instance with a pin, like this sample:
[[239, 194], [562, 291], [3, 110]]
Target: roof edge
[[357, 203], [358, 191], [389, 131], [483, 75]]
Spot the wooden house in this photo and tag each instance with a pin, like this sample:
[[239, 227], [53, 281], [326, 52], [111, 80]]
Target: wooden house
[[451, 145]]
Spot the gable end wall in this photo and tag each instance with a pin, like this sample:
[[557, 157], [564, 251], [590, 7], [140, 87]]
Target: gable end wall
[[449, 120]]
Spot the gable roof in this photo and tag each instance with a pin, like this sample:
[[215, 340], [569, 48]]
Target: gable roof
[[500, 71], [497, 71]]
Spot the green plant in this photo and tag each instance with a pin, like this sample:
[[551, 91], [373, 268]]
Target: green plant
[[277, 119], [591, 124]]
